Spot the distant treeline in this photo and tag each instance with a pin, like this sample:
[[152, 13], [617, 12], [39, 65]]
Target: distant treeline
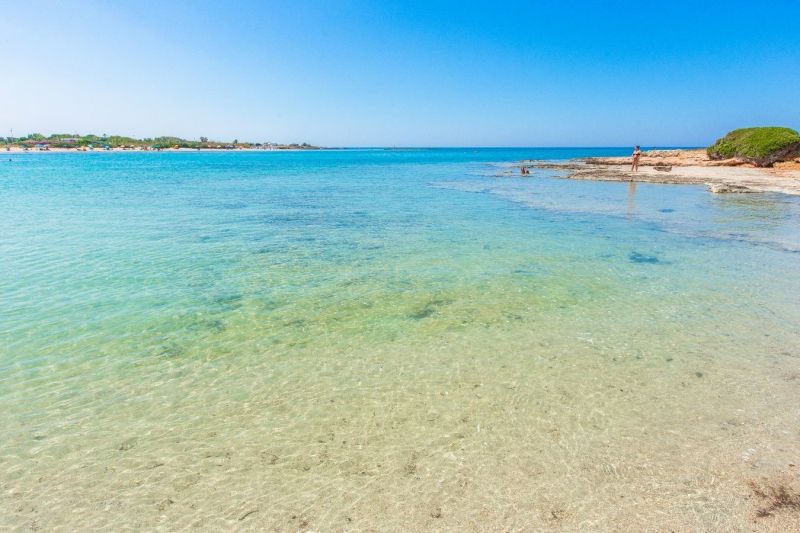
[[73, 140]]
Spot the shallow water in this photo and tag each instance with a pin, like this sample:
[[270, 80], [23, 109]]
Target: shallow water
[[388, 339]]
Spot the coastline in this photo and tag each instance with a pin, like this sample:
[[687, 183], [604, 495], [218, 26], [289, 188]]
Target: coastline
[[681, 167], [19, 150]]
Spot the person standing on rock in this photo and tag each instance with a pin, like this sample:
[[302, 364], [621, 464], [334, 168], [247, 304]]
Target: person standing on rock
[[636, 154]]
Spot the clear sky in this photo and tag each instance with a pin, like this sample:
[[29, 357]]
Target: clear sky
[[405, 73]]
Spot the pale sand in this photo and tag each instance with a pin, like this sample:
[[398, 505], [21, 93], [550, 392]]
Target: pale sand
[[690, 167]]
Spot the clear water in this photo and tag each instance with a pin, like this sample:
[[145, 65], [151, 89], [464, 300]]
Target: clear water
[[388, 339]]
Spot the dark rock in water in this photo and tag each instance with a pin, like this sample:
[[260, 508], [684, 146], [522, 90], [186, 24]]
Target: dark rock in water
[[720, 188], [636, 257], [667, 210]]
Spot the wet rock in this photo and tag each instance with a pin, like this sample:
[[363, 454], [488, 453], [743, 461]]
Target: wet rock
[[722, 188]]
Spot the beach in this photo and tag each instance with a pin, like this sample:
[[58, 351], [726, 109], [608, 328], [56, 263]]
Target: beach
[[688, 167], [395, 340]]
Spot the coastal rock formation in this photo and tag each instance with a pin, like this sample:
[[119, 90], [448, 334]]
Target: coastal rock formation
[[762, 147], [687, 167], [670, 158]]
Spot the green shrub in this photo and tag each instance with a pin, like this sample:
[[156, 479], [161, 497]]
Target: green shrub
[[762, 146]]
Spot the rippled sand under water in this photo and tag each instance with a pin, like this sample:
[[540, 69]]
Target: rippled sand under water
[[497, 373], [504, 429]]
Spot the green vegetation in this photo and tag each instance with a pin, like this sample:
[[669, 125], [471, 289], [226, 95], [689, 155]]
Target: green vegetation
[[100, 142], [762, 146]]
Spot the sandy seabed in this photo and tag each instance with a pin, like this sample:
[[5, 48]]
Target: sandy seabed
[[562, 428]]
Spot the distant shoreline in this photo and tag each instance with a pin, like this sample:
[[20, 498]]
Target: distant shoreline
[[21, 150], [63, 142]]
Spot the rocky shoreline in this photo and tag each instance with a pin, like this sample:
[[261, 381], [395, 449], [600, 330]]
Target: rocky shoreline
[[684, 167]]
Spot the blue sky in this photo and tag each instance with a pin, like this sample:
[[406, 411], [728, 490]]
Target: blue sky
[[413, 73]]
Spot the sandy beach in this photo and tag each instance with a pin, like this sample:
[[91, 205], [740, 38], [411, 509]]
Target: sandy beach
[[686, 167]]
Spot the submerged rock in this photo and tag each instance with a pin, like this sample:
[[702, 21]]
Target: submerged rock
[[720, 188], [636, 257]]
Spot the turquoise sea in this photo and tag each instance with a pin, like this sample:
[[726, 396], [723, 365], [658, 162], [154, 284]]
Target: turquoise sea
[[389, 340]]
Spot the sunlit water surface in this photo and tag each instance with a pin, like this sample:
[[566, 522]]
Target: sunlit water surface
[[391, 340]]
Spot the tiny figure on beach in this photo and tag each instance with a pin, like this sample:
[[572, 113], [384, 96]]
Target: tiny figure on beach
[[524, 171], [636, 154]]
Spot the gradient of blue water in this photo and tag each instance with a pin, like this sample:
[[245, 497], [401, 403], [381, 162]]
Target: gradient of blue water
[[156, 308], [93, 238]]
